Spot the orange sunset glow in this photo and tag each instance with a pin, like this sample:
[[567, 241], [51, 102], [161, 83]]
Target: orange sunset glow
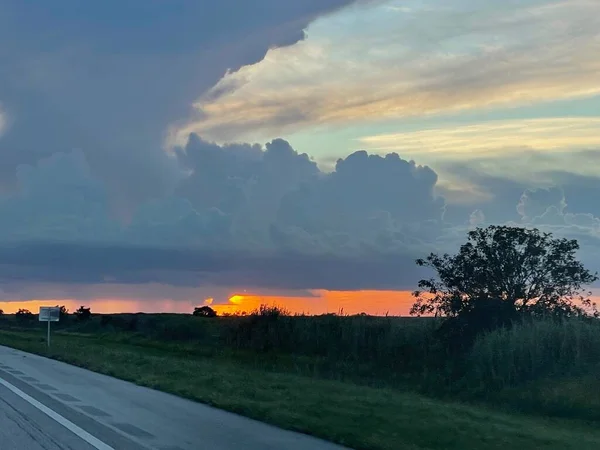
[[393, 303]]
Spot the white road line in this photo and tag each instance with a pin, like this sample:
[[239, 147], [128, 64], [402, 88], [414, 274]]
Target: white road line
[[87, 437]]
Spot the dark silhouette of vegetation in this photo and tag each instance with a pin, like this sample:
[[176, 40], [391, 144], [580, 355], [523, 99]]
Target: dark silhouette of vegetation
[[64, 313], [105, 320], [132, 323], [500, 275], [1, 312], [204, 311], [382, 351], [375, 351], [83, 313], [515, 327], [24, 315], [270, 311]]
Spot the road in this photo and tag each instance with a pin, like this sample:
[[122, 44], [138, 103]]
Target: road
[[50, 405]]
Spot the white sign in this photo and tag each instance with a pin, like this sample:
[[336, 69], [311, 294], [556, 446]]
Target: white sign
[[49, 313]]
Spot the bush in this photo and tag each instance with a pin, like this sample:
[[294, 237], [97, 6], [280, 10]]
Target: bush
[[204, 311], [24, 315], [83, 313]]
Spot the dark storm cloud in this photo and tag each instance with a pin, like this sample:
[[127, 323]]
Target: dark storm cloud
[[109, 77], [385, 204], [243, 216], [227, 177], [255, 217], [91, 264]]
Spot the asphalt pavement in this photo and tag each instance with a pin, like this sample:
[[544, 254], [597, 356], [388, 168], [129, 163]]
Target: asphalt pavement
[[50, 405]]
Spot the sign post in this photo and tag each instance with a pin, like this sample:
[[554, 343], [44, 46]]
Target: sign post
[[49, 314]]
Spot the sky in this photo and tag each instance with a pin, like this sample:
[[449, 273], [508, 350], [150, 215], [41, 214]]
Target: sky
[[159, 155]]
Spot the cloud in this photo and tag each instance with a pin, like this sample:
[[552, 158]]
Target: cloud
[[244, 216], [477, 218], [424, 58], [57, 199], [549, 208], [291, 226], [91, 201], [493, 139], [3, 120], [473, 159], [235, 197], [65, 263], [109, 77], [383, 204], [534, 204], [243, 181]]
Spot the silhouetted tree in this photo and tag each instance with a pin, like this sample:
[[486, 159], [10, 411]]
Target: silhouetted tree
[[204, 311], [83, 313], [24, 315], [64, 313], [500, 274]]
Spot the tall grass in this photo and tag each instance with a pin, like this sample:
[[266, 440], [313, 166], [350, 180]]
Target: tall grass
[[533, 350], [380, 350], [382, 344]]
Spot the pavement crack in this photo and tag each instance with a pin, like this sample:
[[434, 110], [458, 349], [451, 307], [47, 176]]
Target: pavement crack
[[26, 425]]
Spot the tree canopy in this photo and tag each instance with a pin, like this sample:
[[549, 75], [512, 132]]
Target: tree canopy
[[517, 269], [204, 311], [83, 313]]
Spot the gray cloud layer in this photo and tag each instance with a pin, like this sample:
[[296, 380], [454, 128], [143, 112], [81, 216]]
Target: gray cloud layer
[[91, 197], [109, 77], [258, 218], [270, 210]]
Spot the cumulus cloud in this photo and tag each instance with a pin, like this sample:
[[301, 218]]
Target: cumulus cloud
[[534, 204], [549, 208], [235, 197], [546, 209], [423, 57], [243, 181], [109, 77], [474, 159], [56, 199], [244, 216], [291, 226], [381, 203]]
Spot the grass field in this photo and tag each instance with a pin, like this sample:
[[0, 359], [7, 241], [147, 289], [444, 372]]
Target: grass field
[[357, 381]]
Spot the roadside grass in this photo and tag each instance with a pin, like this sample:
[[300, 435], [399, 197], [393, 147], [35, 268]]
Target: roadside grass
[[357, 416]]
